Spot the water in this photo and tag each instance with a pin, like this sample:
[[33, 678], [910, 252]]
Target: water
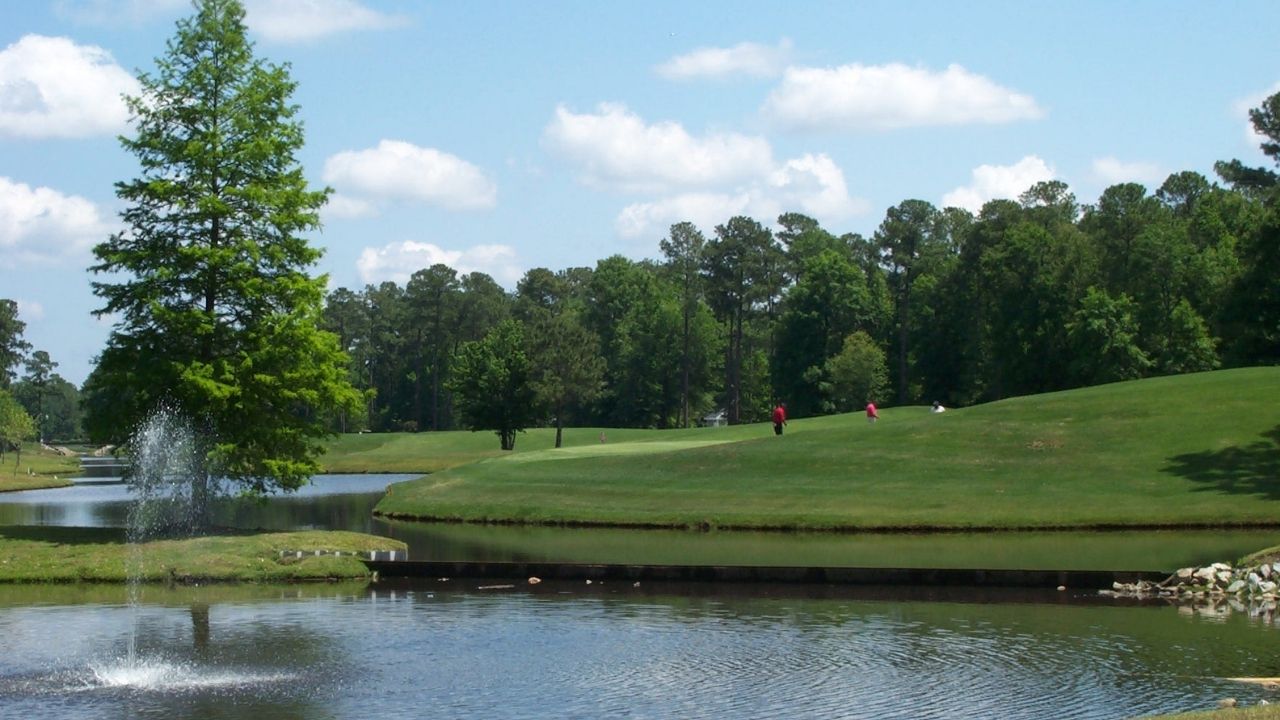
[[453, 650]]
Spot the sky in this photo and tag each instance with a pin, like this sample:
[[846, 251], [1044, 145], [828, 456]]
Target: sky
[[503, 135]]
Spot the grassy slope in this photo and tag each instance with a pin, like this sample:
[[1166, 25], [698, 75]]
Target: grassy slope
[[1196, 449], [57, 554], [50, 469]]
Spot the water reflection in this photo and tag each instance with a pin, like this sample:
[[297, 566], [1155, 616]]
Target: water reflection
[[569, 650]]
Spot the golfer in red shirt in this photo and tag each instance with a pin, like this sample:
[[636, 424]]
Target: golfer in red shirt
[[779, 418], [872, 415]]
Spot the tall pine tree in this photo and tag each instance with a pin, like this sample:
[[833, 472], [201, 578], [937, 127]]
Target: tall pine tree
[[208, 283]]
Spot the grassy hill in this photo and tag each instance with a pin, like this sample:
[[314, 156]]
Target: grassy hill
[[1198, 449]]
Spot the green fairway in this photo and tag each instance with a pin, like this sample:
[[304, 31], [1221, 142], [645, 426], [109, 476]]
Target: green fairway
[[37, 468], [1191, 450]]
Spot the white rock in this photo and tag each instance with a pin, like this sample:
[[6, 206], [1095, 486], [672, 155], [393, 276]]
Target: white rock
[[1220, 566], [1206, 573], [1265, 570], [1224, 576], [1236, 586], [1185, 573], [1266, 586]]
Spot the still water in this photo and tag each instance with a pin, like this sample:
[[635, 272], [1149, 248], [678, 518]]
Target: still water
[[452, 649], [462, 649]]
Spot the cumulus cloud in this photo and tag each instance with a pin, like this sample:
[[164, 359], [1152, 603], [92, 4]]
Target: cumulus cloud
[[883, 97], [42, 225], [52, 87], [1111, 171], [991, 182], [344, 207], [398, 261], [396, 170], [289, 21], [1244, 105], [614, 148], [811, 184], [750, 59]]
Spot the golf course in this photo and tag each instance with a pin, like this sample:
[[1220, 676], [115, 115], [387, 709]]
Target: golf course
[[1199, 450]]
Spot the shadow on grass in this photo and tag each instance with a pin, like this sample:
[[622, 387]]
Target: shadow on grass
[[63, 535], [1252, 469]]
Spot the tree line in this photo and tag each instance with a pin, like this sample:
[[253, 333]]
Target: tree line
[[1030, 295]]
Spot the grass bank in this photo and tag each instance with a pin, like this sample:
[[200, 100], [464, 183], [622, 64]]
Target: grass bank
[[69, 554], [1193, 450], [37, 468]]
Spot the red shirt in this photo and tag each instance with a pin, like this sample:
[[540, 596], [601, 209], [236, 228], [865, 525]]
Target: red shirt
[[871, 410], [779, 415]]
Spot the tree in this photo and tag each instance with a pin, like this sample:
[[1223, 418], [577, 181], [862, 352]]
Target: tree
[[217, 313], [857, 374], [39, 372], [683, 249], [16, 427], [1104, 334], [909, 240], [491, 381], [1266, 123], [12, 346], [566, 368], [432, 295]]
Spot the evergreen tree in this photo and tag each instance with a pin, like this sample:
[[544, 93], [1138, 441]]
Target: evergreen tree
[[217, 313]]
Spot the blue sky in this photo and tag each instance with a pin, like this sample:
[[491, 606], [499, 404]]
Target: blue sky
[[500, 136]]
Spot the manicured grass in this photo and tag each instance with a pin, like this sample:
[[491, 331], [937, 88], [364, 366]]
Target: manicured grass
[[430, 452], [1194, 450], [69, 554], [38, 468]]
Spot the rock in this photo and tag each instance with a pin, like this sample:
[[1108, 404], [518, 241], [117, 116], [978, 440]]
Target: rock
[[1266, 586], [1265, 571], [1061, 588], [1224, 576], [1236, 586], [1185, 573], [535, 580], [1220, 566], [1227, 703], [1206, 573]]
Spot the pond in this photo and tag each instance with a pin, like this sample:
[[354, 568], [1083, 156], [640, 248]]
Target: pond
[[470, 649], [452, 649]]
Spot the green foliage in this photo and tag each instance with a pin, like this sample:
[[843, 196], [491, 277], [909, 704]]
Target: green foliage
[[858, 374], [1103, 334], [16, 427], [217, 314], [491, 383], [12, 346]]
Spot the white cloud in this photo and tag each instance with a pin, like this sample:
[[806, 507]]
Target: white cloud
[[30, 310], [1111, 171], [1242, 108], [398, 261], [746, 58], [881, 97], [288, 21], [614, 148], [396, 170], [702, 209], [41, 225], [811, 184], [344, 207], [51, 87], [991, 182]]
